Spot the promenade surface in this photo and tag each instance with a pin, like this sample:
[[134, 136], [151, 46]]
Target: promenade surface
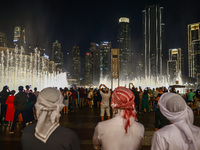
[[83, 123]]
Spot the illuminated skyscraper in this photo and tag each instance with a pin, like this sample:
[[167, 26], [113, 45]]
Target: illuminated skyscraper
[[88, 68], [3, 39], [194, 50], [96, 63], [153, 29], [124, 41], [57, 54], [174, 65], [105, 60], [76, 64], [19, 36]]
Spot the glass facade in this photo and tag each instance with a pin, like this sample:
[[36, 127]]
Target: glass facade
[[105, 60], [153, 29], [76, 64], [194, 49], [125, 53], [57, 54], [88, 69], [174, 65]]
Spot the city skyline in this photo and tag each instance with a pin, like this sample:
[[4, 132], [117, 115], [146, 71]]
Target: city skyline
[[73, 22]]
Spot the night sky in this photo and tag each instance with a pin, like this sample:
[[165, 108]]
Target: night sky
[[83, 22]]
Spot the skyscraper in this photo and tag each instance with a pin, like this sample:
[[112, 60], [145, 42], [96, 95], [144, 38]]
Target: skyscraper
[[19, 36], [105, 60], [194, 50], [124, 41], [76, 64], [174, 64], [94, 48], [57, 54], [88, 68], [153, 29], [3, 39]]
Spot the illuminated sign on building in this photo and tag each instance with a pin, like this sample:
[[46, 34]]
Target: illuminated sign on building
[[124, 19], [194, 26], [175, 51]]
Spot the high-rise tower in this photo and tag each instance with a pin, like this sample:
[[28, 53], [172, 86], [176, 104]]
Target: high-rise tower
[[94, 47], [19, 36], [3, 39], [105, 60], [174, 63], [153, 29], [76, 64], [124, 41], [57, 54], [88, 68], [194, 50]]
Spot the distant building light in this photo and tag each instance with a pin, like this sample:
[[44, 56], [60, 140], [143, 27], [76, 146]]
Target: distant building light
[[46, 56], [105, 42], [97, 44], [124, 19]]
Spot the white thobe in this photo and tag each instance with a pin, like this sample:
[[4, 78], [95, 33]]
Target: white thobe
[[110, 135], [171, 138]]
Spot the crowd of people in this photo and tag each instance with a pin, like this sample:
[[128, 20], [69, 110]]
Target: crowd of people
[[40, 112]]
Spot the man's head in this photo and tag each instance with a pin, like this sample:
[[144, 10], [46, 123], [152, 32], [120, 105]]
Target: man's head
[[50, 94], [12, 92], [5, 88], [27, 87], [172, 105], [20, 88], [48, 106], [123, 99], [35, 89], [175, 104]]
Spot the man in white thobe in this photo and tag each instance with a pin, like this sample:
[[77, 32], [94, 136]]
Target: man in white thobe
[[122, 132], [181, 134]]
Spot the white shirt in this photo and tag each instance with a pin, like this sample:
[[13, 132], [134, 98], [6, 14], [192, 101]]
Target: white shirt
[[105, 97], [90, 94], [170, 138], [110, 135]]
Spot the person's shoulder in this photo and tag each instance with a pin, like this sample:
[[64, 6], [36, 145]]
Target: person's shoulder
[[168, 130], [17, 94], [29, 129], [138, 126], [107, 123], [66, 132]]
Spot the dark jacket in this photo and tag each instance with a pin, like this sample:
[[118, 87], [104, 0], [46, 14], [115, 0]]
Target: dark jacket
[[3, 96], [20, 101], [160, 119]]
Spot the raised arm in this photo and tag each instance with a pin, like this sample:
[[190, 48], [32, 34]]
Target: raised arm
[[105, 86], [132, 85], [129, 85], [100, 87], [69, 93]]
